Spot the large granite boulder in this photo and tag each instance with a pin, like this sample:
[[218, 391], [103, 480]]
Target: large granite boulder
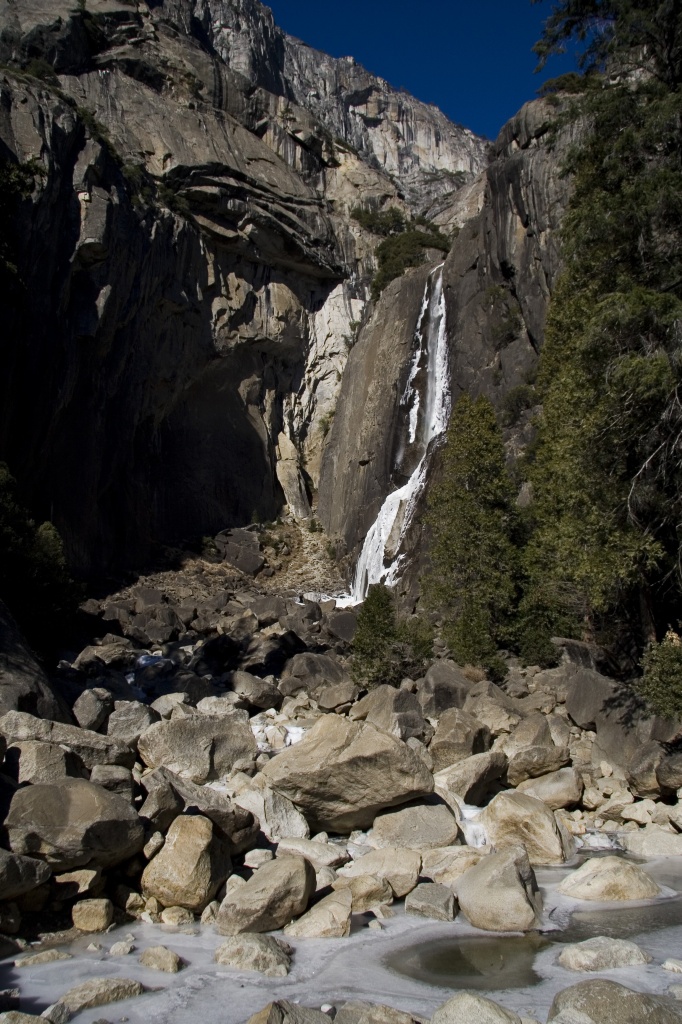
[[73, 823], [19, 875], [444, 686], [420, 827], [602, 954], [606, 1002], [535, 761], [343, 773], [557, 789], [457, 737], [500, 893], [168, 795], [198, 747], [395, 711], [471, 779], [472, 1008], [311, 673], [515, 819], [275, 894], [284, 1012], [33, 761], [276, 814], [190, 867], [328, 919], [92, 747], [400, 868], [262, 953], [608, 879]]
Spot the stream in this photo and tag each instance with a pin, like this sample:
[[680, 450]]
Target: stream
[[412, 965]]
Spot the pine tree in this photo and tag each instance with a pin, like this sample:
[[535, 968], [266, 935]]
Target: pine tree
[[472, 517], [606, 468]]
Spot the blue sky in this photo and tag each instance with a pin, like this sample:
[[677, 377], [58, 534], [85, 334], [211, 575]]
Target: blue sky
[[472, 59]]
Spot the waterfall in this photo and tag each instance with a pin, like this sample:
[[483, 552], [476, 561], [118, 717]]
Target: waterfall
[[380, 560]]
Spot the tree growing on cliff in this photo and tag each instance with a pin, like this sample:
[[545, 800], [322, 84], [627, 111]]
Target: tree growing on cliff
[[607, 467], [472, 516]]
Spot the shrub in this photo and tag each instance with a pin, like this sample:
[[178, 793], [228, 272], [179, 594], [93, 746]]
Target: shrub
[[34, 580], [385, 650], [380, 222], [399, 252], [661, 683], [515, 402]]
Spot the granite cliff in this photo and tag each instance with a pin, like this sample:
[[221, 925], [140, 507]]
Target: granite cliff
[[191, 280]]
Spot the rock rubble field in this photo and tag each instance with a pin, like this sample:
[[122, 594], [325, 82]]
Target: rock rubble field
[[210, 765]]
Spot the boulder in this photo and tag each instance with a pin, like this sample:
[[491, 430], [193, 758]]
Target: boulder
[[259, 693], [652, 841], [642, 770], [533, 731], [400, 868], [163, 803], [93, 707], [500, 893], [23, 684], [277, 815], [471, 779], [311, 673], [277, 892], [115, 778], [444, 686], [320, 855], [457, 737], [19, 875], [669, 772], [91, 747], [535, 761], [73, 823], [356, 1012], [557, 789], [33, 761], [263, 953], [609, 879], [421, 827], [190, 867], [343, 773], [337, 696], [284, 1012], [129, 720], [160, 958], [395, 711], [367, 891], [602, 954], [234, 825], [513, 819], [342, 623], [328, 919], [240, 549], [446, 865], [471, 1008], [430, 899], [599, 1001], [199, 748], [99, 992], [92, 915]]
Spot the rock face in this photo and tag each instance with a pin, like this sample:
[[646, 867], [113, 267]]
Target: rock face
[[343, 773], [72, 824], [238, 285], [510, 236], [276, 893]]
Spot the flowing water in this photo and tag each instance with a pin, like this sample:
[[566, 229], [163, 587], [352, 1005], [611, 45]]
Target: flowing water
[[427, 410]]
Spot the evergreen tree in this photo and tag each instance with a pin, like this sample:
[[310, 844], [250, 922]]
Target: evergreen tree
[[473, 518], [385, 648], [605, 553]]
